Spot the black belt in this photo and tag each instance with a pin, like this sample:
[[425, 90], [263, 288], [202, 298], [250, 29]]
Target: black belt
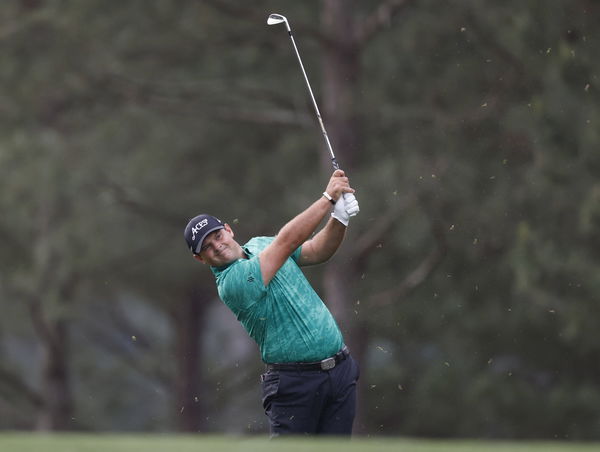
[[325, 364]]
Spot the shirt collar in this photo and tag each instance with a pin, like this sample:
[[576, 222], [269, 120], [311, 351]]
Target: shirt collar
[[218, 270]]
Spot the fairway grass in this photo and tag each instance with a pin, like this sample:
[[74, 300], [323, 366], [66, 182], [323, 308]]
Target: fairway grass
[[36, 442]]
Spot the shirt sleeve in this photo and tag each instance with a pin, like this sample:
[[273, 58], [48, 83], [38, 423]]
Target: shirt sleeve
[[258, 244], [242, 286], [296, 254]]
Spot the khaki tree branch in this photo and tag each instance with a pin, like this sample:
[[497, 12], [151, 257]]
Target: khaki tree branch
[[131, 201], [368, 240], [264, 116], [107, 342], [238, 9], [15, 384], [379, 19], [258, 15], [419, 274]]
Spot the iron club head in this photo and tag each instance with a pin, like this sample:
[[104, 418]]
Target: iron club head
[[275, 19]]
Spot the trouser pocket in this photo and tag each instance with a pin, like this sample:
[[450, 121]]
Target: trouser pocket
[[270, 387]]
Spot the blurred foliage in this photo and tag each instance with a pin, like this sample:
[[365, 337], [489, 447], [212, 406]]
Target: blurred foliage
[[121, 121]]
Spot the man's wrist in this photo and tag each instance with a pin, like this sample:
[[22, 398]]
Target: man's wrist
[[328, 197], [339, 219]]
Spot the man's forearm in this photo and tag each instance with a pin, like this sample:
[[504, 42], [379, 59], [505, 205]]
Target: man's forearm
[[326, 242], [300, 228]]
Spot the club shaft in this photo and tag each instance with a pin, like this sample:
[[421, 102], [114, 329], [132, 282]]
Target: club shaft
[[329, 147]]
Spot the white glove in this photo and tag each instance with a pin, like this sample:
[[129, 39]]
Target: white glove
[[351, 204], [345, 207]]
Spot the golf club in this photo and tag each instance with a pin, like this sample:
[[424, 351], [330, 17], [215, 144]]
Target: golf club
[[275, 19]]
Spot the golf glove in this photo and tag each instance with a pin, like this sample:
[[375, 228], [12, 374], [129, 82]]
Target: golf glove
[[351, 204], [345, 207]]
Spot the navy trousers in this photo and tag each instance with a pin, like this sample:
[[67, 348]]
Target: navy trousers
[[311, 402]]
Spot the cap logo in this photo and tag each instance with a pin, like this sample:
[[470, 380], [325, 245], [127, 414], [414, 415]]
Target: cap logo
[[196, 229]]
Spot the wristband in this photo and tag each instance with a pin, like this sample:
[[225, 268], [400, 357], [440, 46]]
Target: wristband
[[329, 198]]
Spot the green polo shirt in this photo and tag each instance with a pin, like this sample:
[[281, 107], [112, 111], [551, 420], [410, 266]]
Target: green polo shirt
[[286, 318]]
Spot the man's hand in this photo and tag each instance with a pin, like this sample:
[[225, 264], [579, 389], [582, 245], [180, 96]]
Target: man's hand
[[338, 185], [345, 207]]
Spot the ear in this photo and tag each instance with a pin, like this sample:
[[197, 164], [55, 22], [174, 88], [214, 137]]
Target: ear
[[228, 229], [198, 258]]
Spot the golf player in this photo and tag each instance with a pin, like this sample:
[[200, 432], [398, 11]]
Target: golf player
[[310, 382]]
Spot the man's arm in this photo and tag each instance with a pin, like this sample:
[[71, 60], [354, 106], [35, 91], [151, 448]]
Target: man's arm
[[323, 245], [299, 229]]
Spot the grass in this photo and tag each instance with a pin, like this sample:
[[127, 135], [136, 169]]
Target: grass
[[36, 442]]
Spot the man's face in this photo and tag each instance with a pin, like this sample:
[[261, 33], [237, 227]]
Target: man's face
[[219, 248]]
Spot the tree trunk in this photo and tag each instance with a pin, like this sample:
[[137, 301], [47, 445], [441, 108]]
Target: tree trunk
[[56, 411], [190, 319], [341, 73]]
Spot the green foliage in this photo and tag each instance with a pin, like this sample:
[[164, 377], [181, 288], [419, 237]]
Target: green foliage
[[119, 123], [485, 113]]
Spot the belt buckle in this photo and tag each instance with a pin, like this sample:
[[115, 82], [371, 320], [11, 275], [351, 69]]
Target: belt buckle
[[328, 363]]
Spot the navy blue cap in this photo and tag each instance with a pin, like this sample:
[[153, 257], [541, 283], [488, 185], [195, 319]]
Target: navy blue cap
[[198, 228]]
